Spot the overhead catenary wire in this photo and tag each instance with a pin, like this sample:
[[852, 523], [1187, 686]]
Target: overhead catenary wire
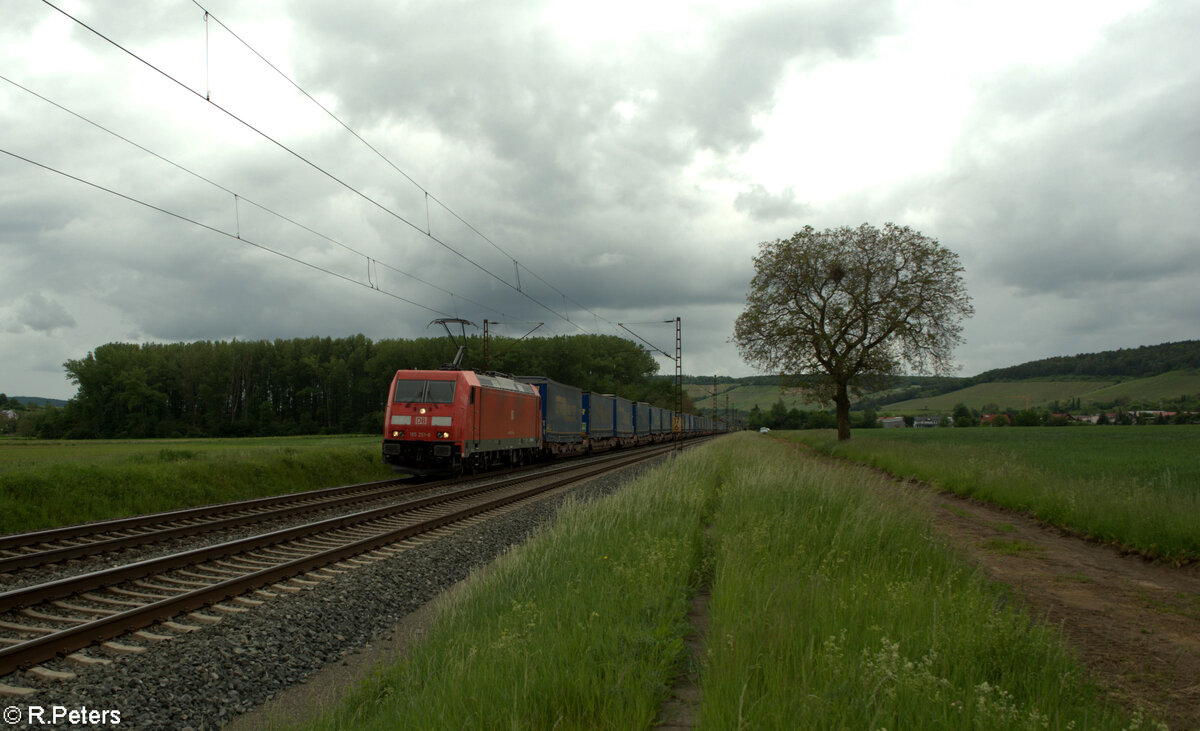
[[516, 264], [214, 229], [308, 162], [238, 198], [647, 342]]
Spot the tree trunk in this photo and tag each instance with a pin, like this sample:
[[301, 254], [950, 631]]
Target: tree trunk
[[842, 400]]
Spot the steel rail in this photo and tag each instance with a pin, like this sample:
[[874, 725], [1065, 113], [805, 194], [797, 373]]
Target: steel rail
[[235, 515], [49, 646], [27, 596], [140, 521], [236, 512]]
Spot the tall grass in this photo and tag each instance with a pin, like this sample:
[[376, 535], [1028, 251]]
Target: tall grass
[[43, 485], [834, 607], [1137, 487], [581, 628]]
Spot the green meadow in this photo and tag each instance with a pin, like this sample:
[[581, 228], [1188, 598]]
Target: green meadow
[[833, 605], [47, 483], [1136, 487], [1033, 393], [1005, 394], [1041, 393], [745, 398]]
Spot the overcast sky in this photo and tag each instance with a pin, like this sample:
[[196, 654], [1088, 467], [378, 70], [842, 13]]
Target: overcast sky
[[586, 164]]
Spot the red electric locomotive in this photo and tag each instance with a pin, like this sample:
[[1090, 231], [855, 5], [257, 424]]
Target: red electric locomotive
[[448, 421]]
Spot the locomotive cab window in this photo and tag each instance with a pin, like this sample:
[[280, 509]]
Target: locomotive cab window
[[424, 392], [409, 391], [440, 392]]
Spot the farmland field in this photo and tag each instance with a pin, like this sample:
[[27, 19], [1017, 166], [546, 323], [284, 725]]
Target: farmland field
[[1041, 393], [1162, 386], [1137, 487], [744, 398], [49, 483], [1011, 394]]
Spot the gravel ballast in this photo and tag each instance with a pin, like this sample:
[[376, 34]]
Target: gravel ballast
[[205, 679]]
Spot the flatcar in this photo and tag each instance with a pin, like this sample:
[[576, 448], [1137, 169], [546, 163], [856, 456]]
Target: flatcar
[[440, 421]]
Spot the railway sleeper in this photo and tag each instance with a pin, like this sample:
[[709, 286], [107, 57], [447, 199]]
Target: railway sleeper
[[78, 658], [43, 673], [15, 691]]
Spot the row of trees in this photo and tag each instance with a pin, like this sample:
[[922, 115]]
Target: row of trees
[[306, 386], [1147, 360], [779, 416]]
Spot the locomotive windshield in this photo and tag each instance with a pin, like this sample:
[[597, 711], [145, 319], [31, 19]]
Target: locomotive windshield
[[424, 392]]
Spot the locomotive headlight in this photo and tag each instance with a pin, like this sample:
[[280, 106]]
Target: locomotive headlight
[[396, 433], [444, 434], [421, 410]]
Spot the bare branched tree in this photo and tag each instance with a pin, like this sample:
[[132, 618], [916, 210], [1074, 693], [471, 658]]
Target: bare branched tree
[[839, 310]]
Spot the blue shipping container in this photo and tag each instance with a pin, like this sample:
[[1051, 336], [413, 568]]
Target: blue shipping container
[[641, 419], [598, 415], [623, 417], [562, 409]]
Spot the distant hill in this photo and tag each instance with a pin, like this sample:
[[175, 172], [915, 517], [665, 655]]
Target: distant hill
[[1150, 374], [1147, 360], [39, 401], [763, 391], [1164, 390]]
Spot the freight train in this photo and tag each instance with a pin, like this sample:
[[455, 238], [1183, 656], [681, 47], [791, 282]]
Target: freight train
[[450, 421]]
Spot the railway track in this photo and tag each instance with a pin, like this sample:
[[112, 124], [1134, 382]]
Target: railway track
[[57, 618], [26, 550]]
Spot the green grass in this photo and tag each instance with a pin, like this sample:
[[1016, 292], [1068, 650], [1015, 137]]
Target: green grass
[[1136, 487], [581, 628], [832, 607], [745, 398], [46, 484], [1148, 390], [1004, 394], [1041, 393]]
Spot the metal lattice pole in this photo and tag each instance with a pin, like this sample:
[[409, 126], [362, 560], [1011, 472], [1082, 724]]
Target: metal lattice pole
[[678, 383]]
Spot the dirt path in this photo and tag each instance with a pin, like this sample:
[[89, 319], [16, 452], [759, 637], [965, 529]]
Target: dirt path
[[1134, 623]]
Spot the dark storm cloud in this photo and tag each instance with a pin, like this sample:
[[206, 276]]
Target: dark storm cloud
[[612, 168]]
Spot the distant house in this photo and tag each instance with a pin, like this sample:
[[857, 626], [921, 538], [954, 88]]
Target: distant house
[[1087, 418], [995, 420], [892, 422], [926, 422], [8, 414]]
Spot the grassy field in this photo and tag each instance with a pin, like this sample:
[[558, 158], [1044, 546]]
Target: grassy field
[[744, 398], [831, 608], [1148, 390], [1007, 395], [1015, 395], [1041, 393], [45, 484], [1137, 487]]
